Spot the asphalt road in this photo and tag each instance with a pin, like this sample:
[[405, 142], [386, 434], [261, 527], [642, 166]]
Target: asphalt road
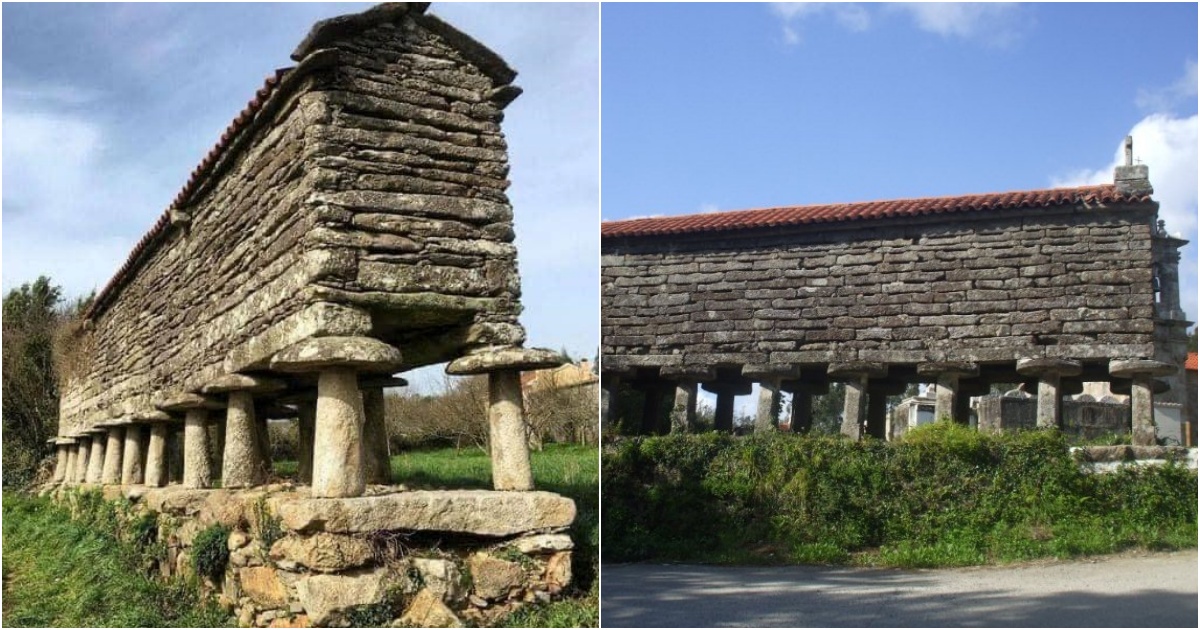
[[1132, 590]]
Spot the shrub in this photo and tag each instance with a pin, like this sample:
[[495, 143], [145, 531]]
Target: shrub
[[943, 495], [210, 551]]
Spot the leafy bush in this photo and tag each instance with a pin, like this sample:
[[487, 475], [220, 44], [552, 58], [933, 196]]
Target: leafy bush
[[944, 495], [210, 551]]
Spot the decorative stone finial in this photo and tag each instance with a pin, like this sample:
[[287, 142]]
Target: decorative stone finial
[[1131, 179]]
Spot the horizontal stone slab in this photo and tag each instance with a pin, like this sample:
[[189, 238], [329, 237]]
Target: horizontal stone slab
[[478, 512]]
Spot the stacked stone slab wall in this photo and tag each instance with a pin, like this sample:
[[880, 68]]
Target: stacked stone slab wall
[[432, 559], [363, 196]]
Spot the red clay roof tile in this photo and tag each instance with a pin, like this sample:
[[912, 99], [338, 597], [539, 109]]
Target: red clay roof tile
[[1190, 364], [831, 213]]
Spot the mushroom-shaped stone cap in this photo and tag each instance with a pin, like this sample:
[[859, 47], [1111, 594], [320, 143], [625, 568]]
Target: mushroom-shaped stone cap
[[737, 388], [183, 402], [243, 383], [520, 359], [952, 368], [1124, 387], [64, 441], [857, 368], [151, 415], [364, 354], [1140, 367], [377, 382], [687, 373], [1048, 367]]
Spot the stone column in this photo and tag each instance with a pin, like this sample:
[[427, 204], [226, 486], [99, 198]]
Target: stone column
[[802, 392], [506, 411], [683, 412], [156, 456], [726, 391], [242, 464], [216, 443], [197, 465], [946, 375], [610, 389], [131, 465], [175, 454], [652, 404], [856, 376], [69, 463], [506, 420], [60, 462], [96, 457], [306, 426], [377, 456], [877, 395], [338, 459], [1141, 395], [1048, 373], [81, 464], [112, 456], [767, 414]]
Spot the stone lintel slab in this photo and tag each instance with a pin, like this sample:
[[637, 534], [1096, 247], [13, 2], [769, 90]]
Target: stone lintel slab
[[318, 319], [185, 401], [243, 383], [948, 368], [806, 386], [521, 359], [362, 354], [151, 416], [857, 369], [687, 373], [1048, 367], [1140, 367], [477, 512], [770, 370]]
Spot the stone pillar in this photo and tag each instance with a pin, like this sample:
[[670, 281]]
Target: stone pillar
[[69, 463], [1141, 395], [610, 389], [243, 465], [506, 420], [726, 390], [767, 414], [683, 412], [377, 456], [802, 392], [876, 414], [306, 426], [197, 465], [652, 404], [96, 458], [60, 462], [946, 375], [856, 376], [1049, 372], [216, 444], [81, 464], [156, 456], [112, 456], [338, 450], [174, 454], [506, 411], [131, 465]]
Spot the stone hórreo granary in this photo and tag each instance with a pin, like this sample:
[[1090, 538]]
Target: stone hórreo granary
[[351, 223], [1051, 287]]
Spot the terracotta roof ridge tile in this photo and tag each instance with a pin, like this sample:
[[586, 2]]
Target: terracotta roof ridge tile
[[864, 210]]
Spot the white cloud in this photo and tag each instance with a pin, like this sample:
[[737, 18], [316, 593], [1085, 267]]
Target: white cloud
[[1167, 144], [1181, 92], [994, 23], [708, 208], [853, 17]]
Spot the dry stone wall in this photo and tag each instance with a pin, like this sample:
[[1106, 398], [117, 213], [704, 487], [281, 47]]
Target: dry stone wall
[[360, 194], [1070, 283]]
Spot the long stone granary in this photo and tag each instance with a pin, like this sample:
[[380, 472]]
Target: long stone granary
[[351, 223], [1046, 287]]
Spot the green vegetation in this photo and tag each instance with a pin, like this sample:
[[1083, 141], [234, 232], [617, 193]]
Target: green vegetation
[[88, 571], [210, 551], [944, 496]]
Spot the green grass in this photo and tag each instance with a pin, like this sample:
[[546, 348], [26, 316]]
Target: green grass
[[70, 573]]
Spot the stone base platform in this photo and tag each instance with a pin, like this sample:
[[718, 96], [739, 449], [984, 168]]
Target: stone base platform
[[418, 558]]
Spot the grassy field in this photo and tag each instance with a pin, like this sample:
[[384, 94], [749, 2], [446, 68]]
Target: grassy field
[[62, 572]]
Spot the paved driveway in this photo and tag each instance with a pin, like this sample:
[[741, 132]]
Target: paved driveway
[[1129, 590]]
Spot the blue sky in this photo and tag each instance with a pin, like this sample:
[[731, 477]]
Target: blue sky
[[724, 106], [107, 108]]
